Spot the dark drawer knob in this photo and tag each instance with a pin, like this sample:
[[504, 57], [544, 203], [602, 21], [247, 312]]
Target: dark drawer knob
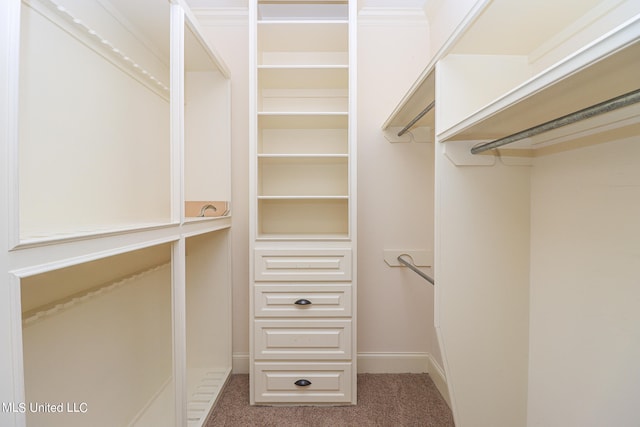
[[303, 383], [303, 302]]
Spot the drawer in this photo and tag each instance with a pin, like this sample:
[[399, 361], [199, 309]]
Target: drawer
[[302, 339], [303, 265], [326, 383], [302, 300]]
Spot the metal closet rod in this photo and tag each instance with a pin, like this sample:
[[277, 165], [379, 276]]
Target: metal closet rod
[[586, 113], [416, 118], [414, 268]]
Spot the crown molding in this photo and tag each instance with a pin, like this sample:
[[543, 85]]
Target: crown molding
[[370, 15], [220, 16]]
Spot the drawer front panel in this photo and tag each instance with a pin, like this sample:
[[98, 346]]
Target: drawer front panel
[[302, 300], [303, 264], [302, 339], [317, 383]]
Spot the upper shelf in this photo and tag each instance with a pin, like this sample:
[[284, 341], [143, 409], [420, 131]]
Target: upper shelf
[[421, 94], [511, 67], [604, 69]]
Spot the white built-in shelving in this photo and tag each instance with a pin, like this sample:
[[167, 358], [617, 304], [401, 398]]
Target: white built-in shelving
[[497, 85], [303, 195], [526, 231], [118, 138], [302, 112]]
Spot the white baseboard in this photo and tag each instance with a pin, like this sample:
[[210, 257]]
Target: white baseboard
[[439, 379], [240, 363], [393, 363], [381, 363]]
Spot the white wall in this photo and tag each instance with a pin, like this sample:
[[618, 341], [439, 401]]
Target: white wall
[[395, 194], [585, 290], [444, 16]]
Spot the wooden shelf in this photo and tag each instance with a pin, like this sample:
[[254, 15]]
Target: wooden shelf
[[307, 177], [303, 119], [304, 156], [492, 86], [296, 43], [309, 78], [419, 96], [608, 67], [309, 216], [290, 197]]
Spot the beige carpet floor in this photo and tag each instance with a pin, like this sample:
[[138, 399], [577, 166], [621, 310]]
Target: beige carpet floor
[[384, 400]]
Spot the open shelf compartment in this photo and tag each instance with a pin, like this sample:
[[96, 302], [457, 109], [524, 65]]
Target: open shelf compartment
[[106, 330], [303, 43], [303, 218], [208, 330], [93, 113]]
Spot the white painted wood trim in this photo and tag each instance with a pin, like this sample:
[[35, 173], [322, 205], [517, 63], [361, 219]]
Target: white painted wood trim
[[14, 360], [240, 363], [192, 21], [65, 304], [392, 16], [162, 390], [221, 16], [75, 27], [12, 68], [392, 363], [436, 372], [179, 305]]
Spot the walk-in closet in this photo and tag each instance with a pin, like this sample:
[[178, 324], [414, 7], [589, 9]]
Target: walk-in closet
[[277, 208]]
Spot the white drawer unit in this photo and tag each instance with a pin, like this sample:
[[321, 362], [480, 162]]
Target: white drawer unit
[[303, 264], [303, 382], [302, 300], [302, 339]]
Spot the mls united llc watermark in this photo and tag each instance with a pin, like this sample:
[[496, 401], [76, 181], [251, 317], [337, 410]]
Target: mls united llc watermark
[[45, 407]]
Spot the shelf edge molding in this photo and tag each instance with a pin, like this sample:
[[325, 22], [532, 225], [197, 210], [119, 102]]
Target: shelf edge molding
[[81, 31], [36, 315]]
